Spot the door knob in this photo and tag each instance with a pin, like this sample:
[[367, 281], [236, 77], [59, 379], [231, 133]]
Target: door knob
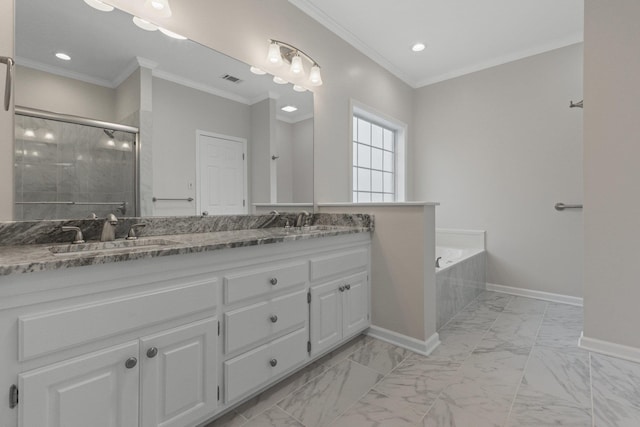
[[131, 363], [152, 352]]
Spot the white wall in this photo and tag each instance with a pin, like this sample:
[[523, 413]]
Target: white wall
[[303, 161], [284, 164], [261, 137], [178, 111], [498, 148], [50, 92], [612, 171]]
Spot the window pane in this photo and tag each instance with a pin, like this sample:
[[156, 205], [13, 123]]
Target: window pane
[[364, 156], [355, 197], [377, 197], [355, 128], [388, 140], [376, 136], [355, 154], [388, 197], [376, 181], [388, 161], [355, 179], [388, 183], [364, 131], [364, 197], [376, 158], [364, 180]]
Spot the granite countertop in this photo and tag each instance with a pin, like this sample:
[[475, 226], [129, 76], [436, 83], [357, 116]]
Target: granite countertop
[[16, 259]]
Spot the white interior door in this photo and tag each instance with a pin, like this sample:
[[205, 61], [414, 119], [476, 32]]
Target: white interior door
[[222, 175]]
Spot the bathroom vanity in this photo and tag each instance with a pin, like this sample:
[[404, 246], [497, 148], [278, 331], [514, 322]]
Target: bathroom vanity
[[141, 338]]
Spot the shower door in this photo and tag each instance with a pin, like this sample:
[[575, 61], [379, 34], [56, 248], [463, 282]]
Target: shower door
[[70, 170]]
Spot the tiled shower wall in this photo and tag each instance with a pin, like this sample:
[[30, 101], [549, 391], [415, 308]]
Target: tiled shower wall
[[458, 285], [65, 162]]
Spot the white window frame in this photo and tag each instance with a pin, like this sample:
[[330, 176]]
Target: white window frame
[[400, 168]]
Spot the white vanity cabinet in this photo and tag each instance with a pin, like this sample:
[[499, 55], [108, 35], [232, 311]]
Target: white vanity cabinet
[[173, 341]]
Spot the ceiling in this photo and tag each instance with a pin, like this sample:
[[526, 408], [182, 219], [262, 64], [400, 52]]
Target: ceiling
[[462, 36], [106, 47]]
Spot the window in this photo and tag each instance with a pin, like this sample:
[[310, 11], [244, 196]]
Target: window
[[377, 159]]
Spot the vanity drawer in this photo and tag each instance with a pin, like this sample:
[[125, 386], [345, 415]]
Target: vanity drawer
[[254, 283], [47, 332], [254, 368], [248, 325], [338, 263]]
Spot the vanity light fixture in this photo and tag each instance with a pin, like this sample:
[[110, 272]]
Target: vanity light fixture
[[289, 108], [281, 52], [63, 56], [171, 34], [299, 88], [279, 80], [160, 7], [145, 25], [97, 4], [258, 71]]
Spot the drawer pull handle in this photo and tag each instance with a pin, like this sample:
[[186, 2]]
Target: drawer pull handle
[[273, 281], [131, 363], [341, 288], [273, 318], [273, 362], [347, 287], [152, 352]]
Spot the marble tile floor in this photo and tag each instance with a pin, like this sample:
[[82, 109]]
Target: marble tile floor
[[504, 361]]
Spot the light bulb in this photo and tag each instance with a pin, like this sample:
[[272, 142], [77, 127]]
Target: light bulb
[[314, 76], [296, 65], [279, 80], [299, 88], [145, 25], [258, 71], [274, 57], [29, 133], [171, 34], [159, 7], [97, 4], [125, 145], [111, 143]]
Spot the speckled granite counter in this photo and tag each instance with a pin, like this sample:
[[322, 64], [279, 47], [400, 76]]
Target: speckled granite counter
[[24, 258]]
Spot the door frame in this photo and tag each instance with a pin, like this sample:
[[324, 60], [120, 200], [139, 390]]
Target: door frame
[[243, 141]]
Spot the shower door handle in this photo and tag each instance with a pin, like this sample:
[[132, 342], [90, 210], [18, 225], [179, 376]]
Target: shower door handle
[[8, 86]]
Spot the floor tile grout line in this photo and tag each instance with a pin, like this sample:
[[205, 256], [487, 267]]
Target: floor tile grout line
[[292, 416], [524, 370], [593, 415], [462, 309]]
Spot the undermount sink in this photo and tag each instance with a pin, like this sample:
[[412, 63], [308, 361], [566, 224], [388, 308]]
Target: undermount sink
[[109, 246]]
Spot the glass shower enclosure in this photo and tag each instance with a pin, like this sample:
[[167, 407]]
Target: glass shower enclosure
[[70, 167]]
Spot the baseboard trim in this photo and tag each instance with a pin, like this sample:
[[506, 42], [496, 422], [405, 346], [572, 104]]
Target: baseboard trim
[[609, 348], [547, 296], [421, 347]]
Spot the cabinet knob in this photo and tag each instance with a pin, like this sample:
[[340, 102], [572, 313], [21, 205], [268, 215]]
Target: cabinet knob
[[341, 288], [273, 281], [347, 287], [273, 362], [131, 363], [152, 352], [273, 318]]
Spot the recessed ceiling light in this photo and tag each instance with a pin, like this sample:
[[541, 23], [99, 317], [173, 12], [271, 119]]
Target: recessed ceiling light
[[279, 80], [63, 56], [97, 4], [145, 25], [299, 88], [258, 71], [171, 34], [418, 47], [289, 109]]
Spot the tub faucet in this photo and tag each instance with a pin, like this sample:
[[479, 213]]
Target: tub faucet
[[109, 228], [438, 262], [302, 218]]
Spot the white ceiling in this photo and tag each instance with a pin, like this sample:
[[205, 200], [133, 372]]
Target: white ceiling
[[462, 36], [106, 47]]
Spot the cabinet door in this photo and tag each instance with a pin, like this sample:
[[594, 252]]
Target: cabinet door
[[179, 377], [326, 316], [95, 390], [355, 304]]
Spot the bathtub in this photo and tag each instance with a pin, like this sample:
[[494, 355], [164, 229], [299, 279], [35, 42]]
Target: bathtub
[[461, 276]]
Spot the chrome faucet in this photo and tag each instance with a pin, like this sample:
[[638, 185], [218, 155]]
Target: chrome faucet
[[78, 237], [131, 235], [109, 228], [302, 218]]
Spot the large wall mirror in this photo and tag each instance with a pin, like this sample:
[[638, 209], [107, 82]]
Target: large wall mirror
[[140, 123]]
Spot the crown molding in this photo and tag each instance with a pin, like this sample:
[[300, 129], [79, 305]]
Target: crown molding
[[36, 65]]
